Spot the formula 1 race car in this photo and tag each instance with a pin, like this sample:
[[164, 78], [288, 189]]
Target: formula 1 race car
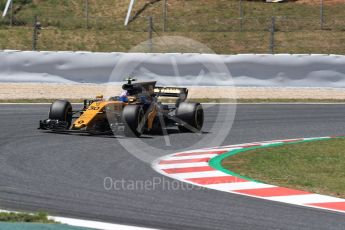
[[136, 111]]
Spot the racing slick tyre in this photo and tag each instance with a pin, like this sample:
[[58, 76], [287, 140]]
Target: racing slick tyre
[[132, 116], [192, 114], [61, 110]]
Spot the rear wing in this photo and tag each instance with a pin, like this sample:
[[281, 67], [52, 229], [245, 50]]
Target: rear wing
[[182, 93]]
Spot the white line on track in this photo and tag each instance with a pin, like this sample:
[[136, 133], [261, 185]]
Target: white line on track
[[184, 165], [305, 199], [227, 187], [89, 223], [96, 224], [189, 175], [202, 155]]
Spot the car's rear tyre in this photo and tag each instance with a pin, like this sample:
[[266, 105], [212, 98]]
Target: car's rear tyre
[[132, 116], [61, 110], [192, 114]]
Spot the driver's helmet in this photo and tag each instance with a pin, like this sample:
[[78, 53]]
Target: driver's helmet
[[124, 96]]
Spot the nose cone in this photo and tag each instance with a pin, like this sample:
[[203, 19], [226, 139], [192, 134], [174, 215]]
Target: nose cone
[[79, 124]]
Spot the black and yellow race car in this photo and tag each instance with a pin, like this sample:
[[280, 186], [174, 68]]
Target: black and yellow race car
[[136, 111]]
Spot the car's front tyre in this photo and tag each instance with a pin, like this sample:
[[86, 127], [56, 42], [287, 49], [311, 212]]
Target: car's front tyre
[[61, 110], [132, 116]]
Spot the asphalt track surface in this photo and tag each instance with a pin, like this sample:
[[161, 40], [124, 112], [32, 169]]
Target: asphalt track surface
[[64, 174]]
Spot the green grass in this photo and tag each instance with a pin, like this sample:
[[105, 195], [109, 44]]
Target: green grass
[[213, 23], [316, 166], [27, 218], [220, 42]]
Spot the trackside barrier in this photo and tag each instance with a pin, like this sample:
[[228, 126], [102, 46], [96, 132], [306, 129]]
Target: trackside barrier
[[257, 70]]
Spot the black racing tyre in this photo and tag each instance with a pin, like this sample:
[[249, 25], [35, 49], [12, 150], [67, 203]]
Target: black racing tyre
[[192, 114], [61, 110], [132, 115]]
